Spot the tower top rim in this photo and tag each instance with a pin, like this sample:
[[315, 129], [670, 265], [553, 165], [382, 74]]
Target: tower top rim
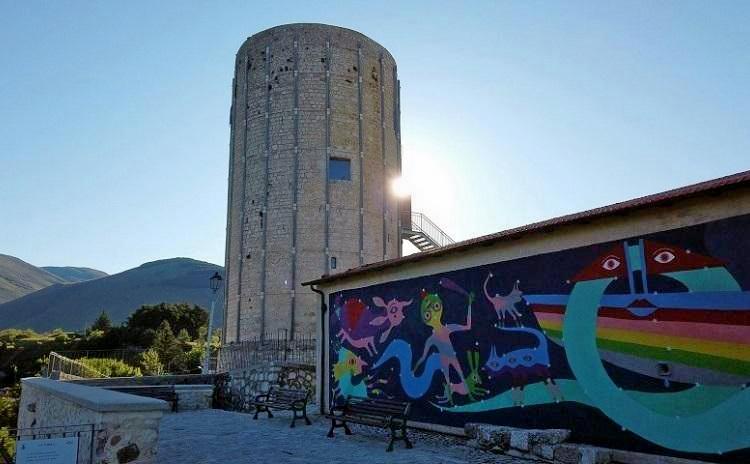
[[332, 27]]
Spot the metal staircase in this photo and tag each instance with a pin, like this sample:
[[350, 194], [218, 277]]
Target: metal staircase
[[425, 234]]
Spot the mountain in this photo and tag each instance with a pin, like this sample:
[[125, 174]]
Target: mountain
[[75, 306], [19, 278], [75, 274]]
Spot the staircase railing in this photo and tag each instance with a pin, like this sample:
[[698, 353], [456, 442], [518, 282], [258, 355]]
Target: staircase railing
[[421, 223]]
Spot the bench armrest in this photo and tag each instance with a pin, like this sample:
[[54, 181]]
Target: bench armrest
[[261, 397], [337, 409], [299, 403]]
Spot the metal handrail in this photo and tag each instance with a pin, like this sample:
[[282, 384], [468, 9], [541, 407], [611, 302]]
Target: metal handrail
[[59, 363], [421, 223]]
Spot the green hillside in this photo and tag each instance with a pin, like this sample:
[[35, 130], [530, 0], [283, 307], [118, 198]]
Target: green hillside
[[19, 278], [74, 274], [76, 306]]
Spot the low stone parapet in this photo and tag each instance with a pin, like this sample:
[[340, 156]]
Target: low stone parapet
[[191, 397], [125, 427]]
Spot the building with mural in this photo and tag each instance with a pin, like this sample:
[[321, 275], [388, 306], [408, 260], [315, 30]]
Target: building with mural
[[628, 324]]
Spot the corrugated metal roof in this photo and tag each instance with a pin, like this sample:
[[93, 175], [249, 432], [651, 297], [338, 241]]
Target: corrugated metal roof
[[711, 186]]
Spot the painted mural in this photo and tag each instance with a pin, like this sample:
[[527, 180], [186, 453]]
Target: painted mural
[[643, 343]]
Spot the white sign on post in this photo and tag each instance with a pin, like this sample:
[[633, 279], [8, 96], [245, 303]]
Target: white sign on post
[[47, 451]]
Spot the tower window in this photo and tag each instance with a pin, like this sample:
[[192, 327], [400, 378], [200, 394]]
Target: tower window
[[333, 262], [339, 169]]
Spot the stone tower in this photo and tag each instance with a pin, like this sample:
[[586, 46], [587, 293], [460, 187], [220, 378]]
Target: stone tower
[[315, 144]]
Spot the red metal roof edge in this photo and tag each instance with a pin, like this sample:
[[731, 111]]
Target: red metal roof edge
[[733, 180]]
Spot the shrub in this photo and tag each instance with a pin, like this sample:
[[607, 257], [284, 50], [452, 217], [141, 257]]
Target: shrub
[[8, 417], [151, 364], [7, 442], [111, 367]]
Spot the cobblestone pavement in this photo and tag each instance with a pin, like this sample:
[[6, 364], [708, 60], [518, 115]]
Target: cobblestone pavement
[[214, 436]]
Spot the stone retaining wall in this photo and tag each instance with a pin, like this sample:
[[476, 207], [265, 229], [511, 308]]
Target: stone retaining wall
[[235, 389]]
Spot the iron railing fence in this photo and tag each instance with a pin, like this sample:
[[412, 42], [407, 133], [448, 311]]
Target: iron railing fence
[[278, 347], [421, 223], [129, 356], [58, 364], [14, 439]]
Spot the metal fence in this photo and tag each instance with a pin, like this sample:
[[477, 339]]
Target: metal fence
[[69, 362], [129, 356], [278, 347], [18, 438], [58, 364]]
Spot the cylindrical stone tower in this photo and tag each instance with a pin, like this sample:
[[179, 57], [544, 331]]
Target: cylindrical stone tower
[[315, 144]]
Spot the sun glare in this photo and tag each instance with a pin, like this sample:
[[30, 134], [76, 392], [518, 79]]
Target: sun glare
[[400, 187]]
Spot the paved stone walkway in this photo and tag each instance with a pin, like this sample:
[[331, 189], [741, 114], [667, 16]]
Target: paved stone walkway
[[214, 436]]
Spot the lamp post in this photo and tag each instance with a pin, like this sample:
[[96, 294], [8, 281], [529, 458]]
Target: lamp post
[[214, 284]]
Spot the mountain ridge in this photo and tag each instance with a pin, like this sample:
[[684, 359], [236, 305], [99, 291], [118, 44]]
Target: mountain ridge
[[19, 278], [74, 306], [74, 274]]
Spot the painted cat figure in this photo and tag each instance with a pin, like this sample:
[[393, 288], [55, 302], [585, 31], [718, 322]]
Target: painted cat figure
[[522, 364], [504, 304]]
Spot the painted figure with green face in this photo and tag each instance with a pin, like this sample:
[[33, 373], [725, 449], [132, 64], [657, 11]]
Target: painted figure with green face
[[431, 311]]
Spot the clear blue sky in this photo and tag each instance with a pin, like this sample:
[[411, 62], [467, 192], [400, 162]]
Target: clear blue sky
[[114, 115]]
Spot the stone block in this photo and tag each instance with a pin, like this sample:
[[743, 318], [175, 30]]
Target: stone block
[[567, 454], [489, 436], [520, 439], [544, 451]]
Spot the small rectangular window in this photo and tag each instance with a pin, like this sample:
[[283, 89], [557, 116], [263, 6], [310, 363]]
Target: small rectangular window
[[333, 262], [339, 169]]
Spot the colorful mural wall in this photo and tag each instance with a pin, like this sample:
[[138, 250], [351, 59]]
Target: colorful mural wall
[[641, 343]]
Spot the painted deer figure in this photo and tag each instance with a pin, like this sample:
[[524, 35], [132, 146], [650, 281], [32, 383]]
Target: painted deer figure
[[360, 326], [394, 315]]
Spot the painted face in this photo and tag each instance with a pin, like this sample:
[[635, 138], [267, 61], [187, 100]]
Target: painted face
[[431, 309], [661, 258], [396, 314], [610, 264]]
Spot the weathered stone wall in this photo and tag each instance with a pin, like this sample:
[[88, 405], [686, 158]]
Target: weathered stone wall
[[235, 389], [126, 427], [302, 94]]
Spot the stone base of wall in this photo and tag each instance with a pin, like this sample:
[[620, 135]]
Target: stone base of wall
[[548, 445], [237, 388]]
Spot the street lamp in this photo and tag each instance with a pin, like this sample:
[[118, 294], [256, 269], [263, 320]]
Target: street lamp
[[214, 283]]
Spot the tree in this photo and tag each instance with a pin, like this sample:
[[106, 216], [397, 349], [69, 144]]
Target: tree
[[142, 324], [184, 338], [168, 348], [102, 323], [150, 363]]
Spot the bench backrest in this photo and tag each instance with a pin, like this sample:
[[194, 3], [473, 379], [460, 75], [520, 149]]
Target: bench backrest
[[377, 407], [288, 394]]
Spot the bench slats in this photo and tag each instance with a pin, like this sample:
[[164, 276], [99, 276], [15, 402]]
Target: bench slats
[[389, 414]]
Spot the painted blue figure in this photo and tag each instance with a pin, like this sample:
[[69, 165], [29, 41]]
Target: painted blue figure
[[522, 364]]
